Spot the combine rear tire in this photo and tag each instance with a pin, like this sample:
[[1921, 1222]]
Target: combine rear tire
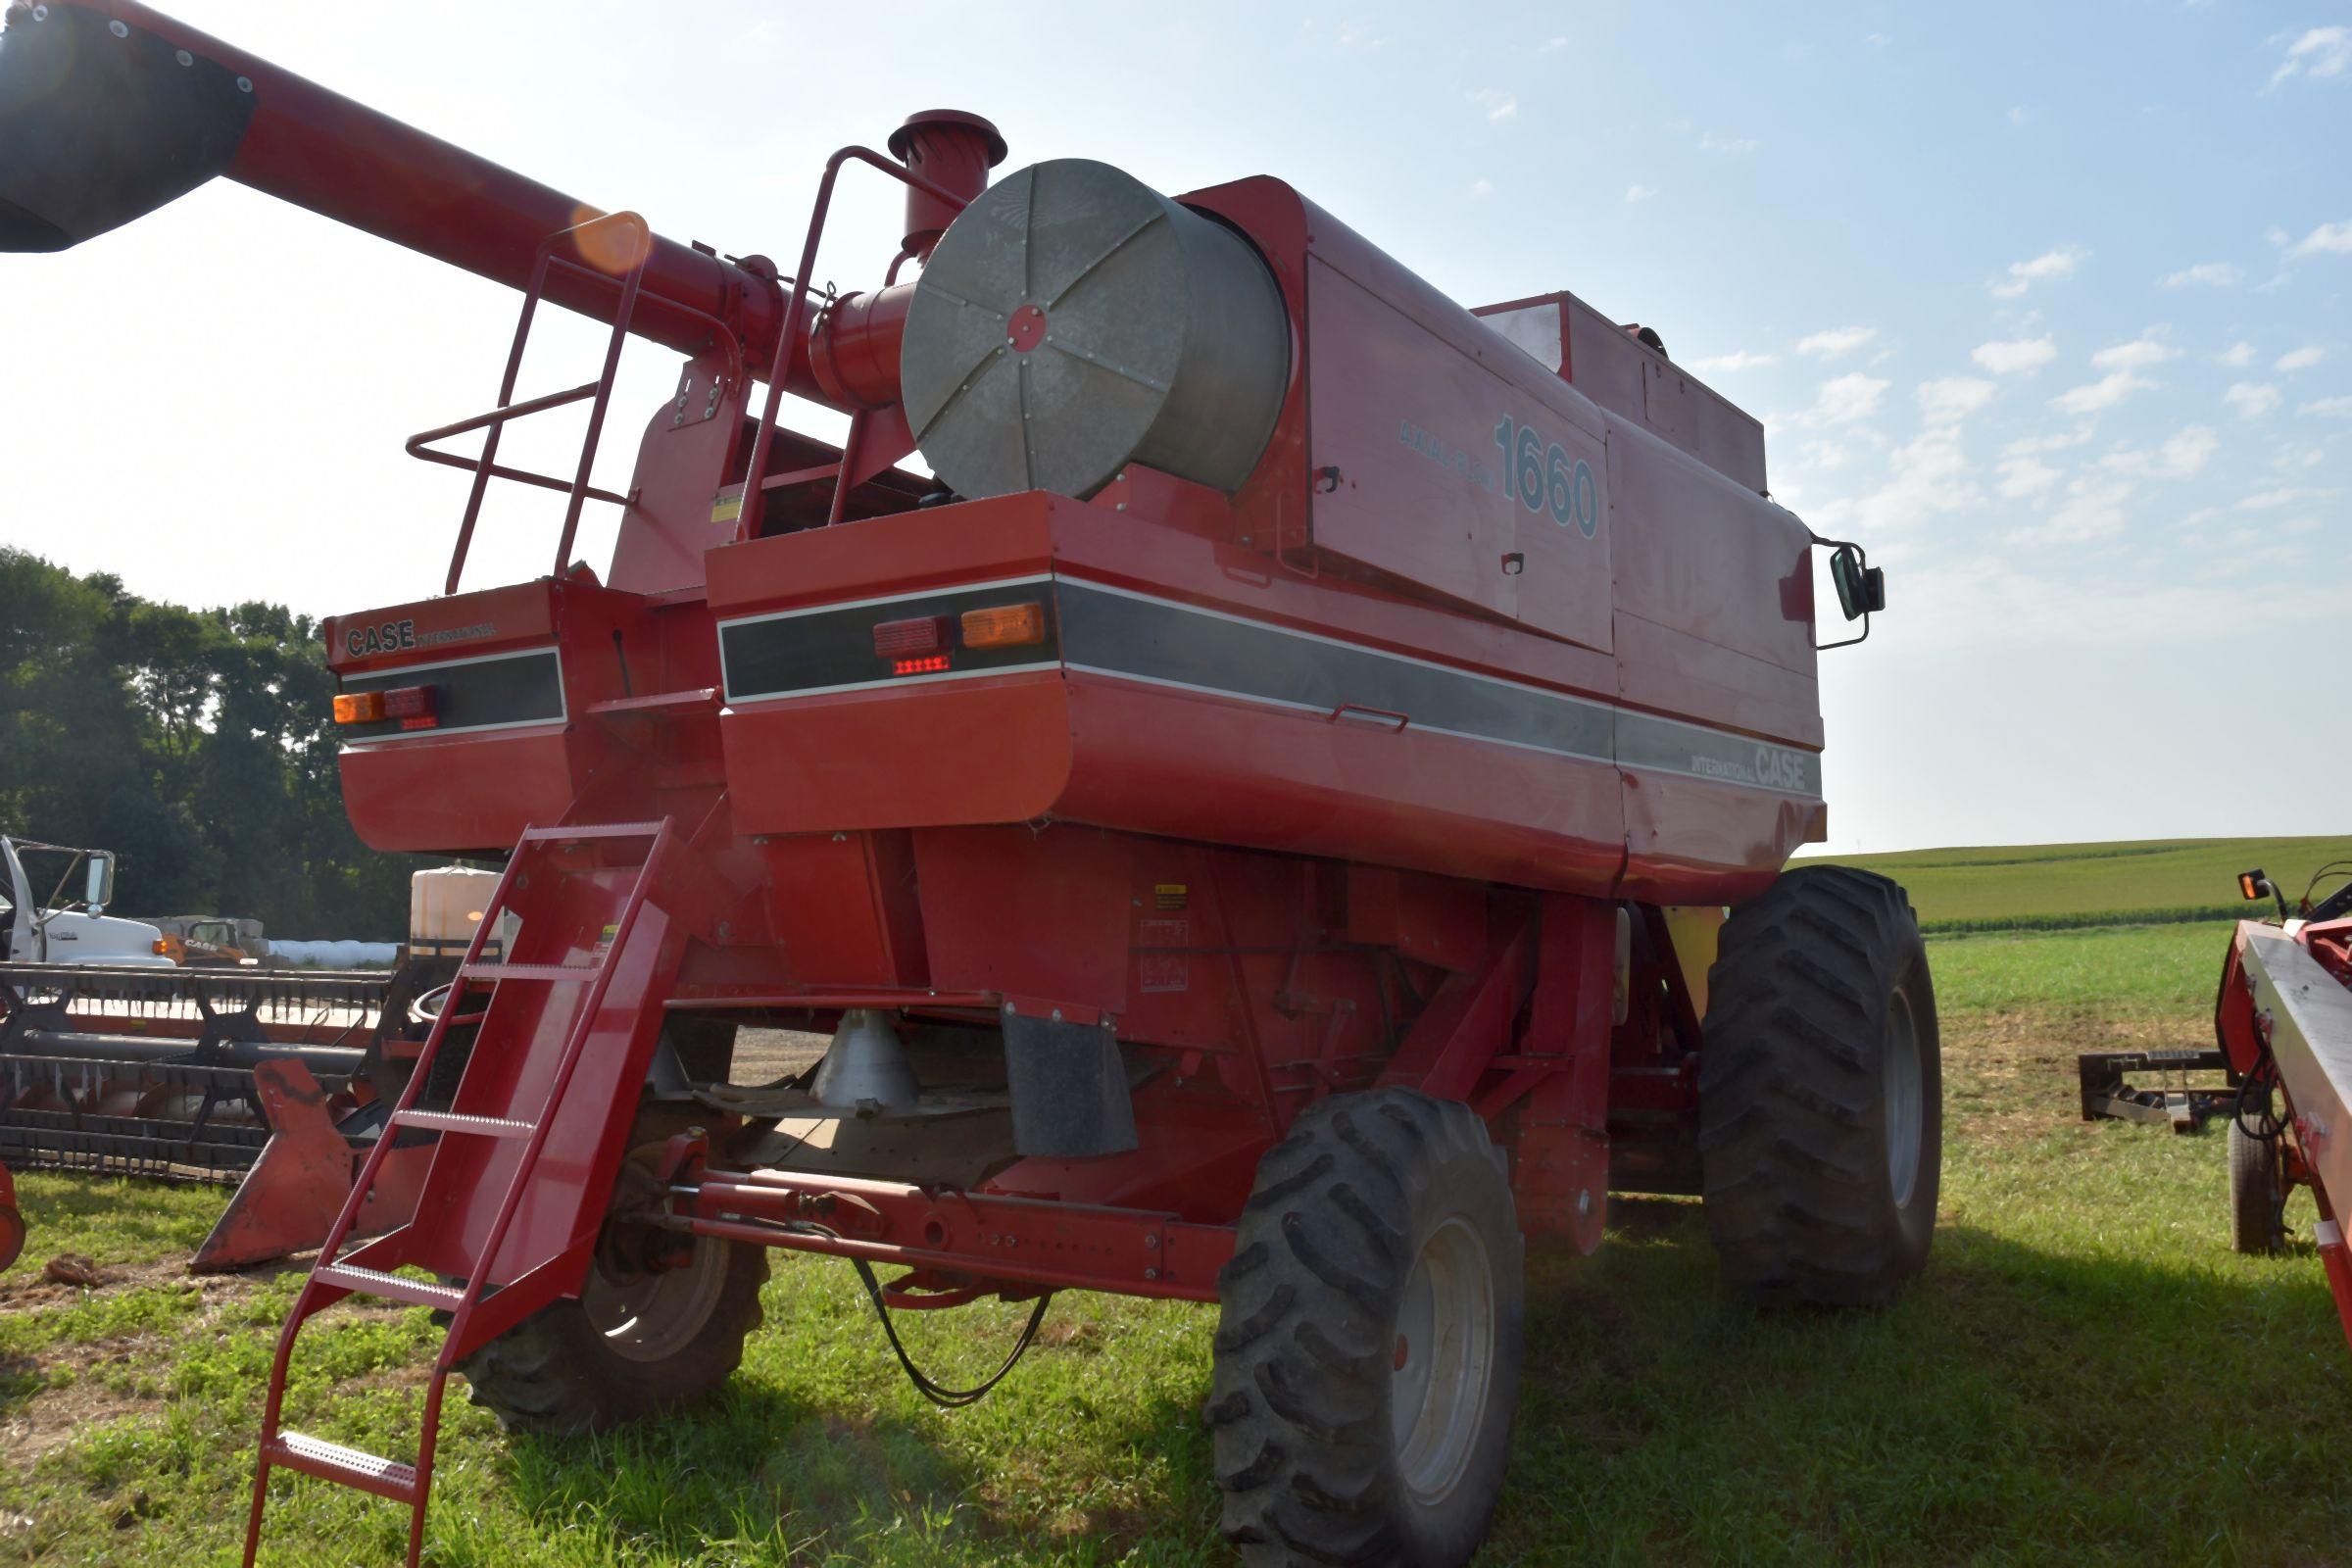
[[637, 1340], [1821, 1093], [1368, 1341], [2257, 1193]]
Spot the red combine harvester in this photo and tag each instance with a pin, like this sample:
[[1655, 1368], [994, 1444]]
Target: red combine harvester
[[1257, 823]]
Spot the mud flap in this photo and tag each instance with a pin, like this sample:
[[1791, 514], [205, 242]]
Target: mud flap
[[1069, 1089], [289, 1199]]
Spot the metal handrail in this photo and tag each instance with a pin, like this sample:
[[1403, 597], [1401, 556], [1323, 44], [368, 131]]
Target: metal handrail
[[754, 493]]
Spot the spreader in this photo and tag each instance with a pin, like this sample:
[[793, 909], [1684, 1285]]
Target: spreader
[[1247, 760]]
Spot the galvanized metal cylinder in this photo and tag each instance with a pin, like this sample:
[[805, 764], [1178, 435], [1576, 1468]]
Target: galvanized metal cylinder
[[1072, 321]]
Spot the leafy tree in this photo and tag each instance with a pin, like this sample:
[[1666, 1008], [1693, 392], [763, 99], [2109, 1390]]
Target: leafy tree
[[196, 744]]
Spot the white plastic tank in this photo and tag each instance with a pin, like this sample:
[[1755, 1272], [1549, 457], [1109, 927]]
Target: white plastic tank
[[445, 905]]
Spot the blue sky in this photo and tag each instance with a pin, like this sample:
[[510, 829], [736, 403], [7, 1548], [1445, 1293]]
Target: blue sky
[[2045, 303]]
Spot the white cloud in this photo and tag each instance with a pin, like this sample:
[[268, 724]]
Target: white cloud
[[2181, 457], [2320, 53], [2210, 275], [2020, 114], [2050, 267], [1952, 399], [1481, 186], [2275, 235], [1639, 193], [1358, 34], [2140, 353], [2251, 400], [2237, 356], [2104, 393], [1837, 342], [1926, 478], [2096, 507], [2015, 355], [1736, 145], [2328, 239], [2331, 408], [1847, 398], [1736, 360], [1877, 40], [1499, 106], [2027, 478], [2056, 441], [1551, 46], [2302, 359], [2270, 500]]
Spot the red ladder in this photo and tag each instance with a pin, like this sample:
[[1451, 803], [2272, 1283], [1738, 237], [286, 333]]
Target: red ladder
[[512, 1093]]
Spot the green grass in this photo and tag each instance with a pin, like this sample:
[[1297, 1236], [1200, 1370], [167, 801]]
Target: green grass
[[2092, 884], [2086, 1374]]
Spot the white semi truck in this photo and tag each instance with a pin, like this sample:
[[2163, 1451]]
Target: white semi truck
[[61, 928]]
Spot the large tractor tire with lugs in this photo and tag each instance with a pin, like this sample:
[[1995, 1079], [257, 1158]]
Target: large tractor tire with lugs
[[659, 1322], [2257, 1192], [1368, 1339], [1821, 1093]]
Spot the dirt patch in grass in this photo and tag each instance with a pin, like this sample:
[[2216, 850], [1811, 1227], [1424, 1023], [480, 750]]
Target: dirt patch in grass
[[60, 1414], [2010, 1077]]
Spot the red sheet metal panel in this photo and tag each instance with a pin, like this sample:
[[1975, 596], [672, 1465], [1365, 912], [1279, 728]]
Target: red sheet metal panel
[[1461, 469]]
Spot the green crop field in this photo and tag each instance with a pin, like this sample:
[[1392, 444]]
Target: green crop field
[[2087, 1373], [2049, 885]]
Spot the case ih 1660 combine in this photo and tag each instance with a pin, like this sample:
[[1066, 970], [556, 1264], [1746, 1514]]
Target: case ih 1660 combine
[[1257, 826]]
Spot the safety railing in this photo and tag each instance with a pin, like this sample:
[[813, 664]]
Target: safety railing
[[577, 490], [758, 482]]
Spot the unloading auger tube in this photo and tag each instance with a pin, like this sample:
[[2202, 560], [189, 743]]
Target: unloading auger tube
[[109, 110]]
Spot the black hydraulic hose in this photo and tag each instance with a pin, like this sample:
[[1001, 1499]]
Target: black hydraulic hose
[[948, 1398]]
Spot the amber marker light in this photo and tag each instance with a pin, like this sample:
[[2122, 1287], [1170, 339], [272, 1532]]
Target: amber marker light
[[1004, 626]]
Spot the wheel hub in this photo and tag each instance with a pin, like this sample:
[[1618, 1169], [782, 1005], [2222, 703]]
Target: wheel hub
[[1902, 1096], [1444, 1360]]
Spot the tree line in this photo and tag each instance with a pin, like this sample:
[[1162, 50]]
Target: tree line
[[198, 745]]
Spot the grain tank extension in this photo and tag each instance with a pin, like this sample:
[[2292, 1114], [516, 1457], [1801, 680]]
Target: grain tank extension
[[1254, 806]]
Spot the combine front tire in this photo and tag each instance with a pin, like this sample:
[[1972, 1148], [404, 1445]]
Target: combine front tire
[[1368, 1341], [1821, 1093], [659, 1322]]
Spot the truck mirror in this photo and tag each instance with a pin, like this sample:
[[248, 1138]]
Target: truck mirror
[[100, 889], [1861, 589]]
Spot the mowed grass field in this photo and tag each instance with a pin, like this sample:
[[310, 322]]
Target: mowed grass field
[[2087, 1373]]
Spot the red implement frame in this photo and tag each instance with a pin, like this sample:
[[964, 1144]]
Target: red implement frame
[[2284, 1018]]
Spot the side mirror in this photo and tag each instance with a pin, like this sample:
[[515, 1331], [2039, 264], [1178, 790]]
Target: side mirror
[[1861, 588], [99, 891]]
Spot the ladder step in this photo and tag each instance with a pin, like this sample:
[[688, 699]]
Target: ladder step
[[392, 1287], [531, 971], [601, 830], [331, 1461], [450, 1121]]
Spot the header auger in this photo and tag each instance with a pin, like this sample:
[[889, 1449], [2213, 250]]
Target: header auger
[[1256, 811]]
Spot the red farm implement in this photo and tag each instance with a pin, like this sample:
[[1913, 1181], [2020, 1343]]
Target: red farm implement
[[2285, 1020], [1257, 817]]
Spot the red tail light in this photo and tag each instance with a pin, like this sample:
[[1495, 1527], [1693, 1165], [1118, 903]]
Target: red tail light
[[919, 638]]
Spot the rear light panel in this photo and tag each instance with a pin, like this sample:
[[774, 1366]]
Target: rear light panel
[[413, 707]]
